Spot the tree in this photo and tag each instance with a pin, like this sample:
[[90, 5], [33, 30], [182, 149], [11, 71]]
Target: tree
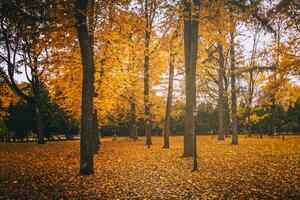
[[149, 14], [24, 31], [172, 54], [191, 22], [252, 80], [221, 112], [233, 91], [87, 58]]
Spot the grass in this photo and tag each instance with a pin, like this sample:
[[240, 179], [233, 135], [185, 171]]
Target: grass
[[256, 168]]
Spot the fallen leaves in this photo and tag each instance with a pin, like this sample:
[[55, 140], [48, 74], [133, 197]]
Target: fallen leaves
[[256, 168]]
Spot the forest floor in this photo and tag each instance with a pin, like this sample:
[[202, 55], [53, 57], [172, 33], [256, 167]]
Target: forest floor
[[255, 169]]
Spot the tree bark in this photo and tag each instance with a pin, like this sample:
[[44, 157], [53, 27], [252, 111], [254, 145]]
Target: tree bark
[[226, 104], [226, 116], [133, 129], [249, 103], [146, 78], [169, 102], [87, 58], [96, 140], [234, 140], [272, 120], [38, 106], [221, 94], [191, 22]]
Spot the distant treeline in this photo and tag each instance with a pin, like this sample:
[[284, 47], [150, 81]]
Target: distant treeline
[[286, 121], [20, 120]]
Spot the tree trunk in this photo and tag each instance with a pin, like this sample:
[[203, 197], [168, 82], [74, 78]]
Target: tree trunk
[[249, 103], [249, 124], [39, 126], [191, 22], [146, 78], [7, 137], [133, 129], [226, 104], [87, 59], [221, 94], [226, 116], [272, 121], [35, 84], [38, 106], [96, 140], [233, 92], [169, 102]]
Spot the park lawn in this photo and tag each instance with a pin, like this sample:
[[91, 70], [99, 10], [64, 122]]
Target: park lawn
[[256, 168]]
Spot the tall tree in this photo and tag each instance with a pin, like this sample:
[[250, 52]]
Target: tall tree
[[173, 51], [24, 31], [252, 81], [233, 91], [169, 99], [149, 16], [221, 73], [191, 23], [87, 58], [226, 104]]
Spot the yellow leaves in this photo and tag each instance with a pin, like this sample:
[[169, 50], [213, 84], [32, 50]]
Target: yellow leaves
[[257, 168], [97, 76], [255, 118]]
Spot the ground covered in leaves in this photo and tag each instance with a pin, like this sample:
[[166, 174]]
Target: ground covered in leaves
[[255, 169]]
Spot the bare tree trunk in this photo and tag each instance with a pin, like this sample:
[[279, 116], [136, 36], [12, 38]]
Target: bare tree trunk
[[131, 125], [38, 106], [221, 94], [133, 129], [233, 91], [169, 102], [87, 58], [249, 124], [191, 22], [96, 140], [251, 85], [272, 121], [146, 78], [249, 103], [226, 116], [91, 29], [35, 84], [226, 104]]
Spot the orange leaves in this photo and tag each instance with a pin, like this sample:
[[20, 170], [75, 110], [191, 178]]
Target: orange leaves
[[257, 168]]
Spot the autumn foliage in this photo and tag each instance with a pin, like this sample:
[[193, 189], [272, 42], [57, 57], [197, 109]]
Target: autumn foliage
[[134, 68], [259, 169]]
